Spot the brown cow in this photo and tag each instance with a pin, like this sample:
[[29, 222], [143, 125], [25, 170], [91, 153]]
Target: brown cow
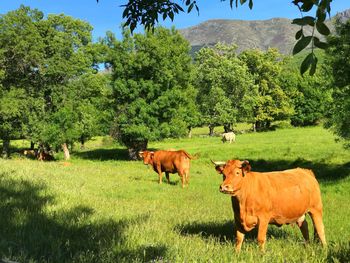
[[29, 153], [44, 156], [169, 162], [280, 197]]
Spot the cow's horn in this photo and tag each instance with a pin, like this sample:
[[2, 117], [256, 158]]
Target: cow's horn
[[217, 163]]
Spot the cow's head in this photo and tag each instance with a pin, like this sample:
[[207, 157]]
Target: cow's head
[[147, 157], [233, 172]]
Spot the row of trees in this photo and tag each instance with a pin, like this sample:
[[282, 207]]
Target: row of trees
[[52, 94]]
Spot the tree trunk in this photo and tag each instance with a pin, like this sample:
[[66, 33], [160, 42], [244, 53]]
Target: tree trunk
[[32, 144], [258, 125], [135, 147], [254, 127], [268, 125], [82, 142], [5, 148], [65, 151], [227, 127], [211, 130], [189, 132]]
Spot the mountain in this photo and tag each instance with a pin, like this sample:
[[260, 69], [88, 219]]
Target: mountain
[[262, 34]]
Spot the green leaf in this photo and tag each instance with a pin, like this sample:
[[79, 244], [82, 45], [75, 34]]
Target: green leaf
[[171, 15], [251, 4], [307, 6], [188, 2], [305, 65], [319, 44], [301, 44], [197, 9], [179, 7], [320, 14], [242, 1], [125, 13], [306, 20], [322, 28], [313, 66], [299, 34], [190, 8]]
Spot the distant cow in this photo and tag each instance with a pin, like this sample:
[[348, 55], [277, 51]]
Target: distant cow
[[281, 197], [44, 156], [228, 137], [169, 162], [32, 154]]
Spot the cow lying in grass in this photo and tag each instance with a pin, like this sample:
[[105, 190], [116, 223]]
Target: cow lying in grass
[[44, 156], [29, 153], [281, 197], [169, 162], [38, 154]]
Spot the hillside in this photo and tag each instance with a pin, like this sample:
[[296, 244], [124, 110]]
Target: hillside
[[262, 34]]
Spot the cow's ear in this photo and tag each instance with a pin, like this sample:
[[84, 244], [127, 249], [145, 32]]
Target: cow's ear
[[152, 154], [246, 166], [219, 168]]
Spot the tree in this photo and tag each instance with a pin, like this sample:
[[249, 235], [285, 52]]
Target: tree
[[224, 85], [271, 102], [93, 103], [68, 56], [13, 107], [21, 56], [310, 95], [147, 13], [152, 86], [339, 60]]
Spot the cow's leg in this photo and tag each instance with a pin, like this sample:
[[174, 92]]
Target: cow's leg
[[318, 226], [160, 174], [187, 174], [239, 240], [167, 177], [304, 230], [183, 179], [263, 224]]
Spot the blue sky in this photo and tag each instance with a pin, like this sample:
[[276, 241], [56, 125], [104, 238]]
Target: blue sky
[[107, 14]]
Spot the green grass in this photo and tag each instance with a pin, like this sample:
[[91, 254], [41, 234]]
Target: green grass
[[104, 208]]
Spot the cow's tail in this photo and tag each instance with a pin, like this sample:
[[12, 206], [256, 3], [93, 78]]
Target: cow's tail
[[192, 157]]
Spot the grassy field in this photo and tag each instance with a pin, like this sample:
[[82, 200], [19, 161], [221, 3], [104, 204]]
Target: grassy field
[[100, 207]]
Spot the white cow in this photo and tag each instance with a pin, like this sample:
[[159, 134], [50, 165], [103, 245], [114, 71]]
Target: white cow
[[228, 137]]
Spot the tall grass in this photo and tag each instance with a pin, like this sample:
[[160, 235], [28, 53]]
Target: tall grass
[[101, 207]]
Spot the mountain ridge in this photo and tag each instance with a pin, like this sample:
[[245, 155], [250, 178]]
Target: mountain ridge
[[247, 34]]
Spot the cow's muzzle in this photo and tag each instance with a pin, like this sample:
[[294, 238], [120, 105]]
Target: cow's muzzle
[[226, 189]]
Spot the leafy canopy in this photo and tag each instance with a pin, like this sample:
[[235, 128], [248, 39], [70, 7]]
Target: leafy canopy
[[147, 13], [152, 86], [339, 60], [224, 85]]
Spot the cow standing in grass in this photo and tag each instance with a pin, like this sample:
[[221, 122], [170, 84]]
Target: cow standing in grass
[[169, 162], [281, 197], [228, 137]]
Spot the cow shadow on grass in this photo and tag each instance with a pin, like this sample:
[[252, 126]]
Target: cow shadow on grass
[[338, 252], [225, 232], [30, 232], [324, 172]]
